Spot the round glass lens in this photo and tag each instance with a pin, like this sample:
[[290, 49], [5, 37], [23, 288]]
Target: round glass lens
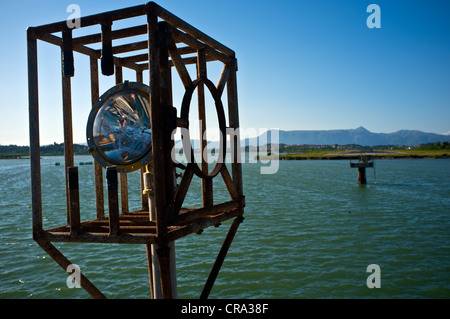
[[121, 129]]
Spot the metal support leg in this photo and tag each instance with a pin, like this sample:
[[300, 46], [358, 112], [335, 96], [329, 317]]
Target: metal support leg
[[221, 257]]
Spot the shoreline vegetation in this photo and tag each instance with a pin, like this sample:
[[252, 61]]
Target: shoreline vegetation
[[352, 155], [23, 152], [348, 152], [285, 152]]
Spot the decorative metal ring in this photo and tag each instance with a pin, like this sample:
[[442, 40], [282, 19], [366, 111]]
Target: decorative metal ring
[[185, 105]]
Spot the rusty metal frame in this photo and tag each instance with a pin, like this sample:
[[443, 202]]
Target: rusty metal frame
[[164, 30]]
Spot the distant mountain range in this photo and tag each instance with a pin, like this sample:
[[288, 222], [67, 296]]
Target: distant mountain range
[[359, 136]]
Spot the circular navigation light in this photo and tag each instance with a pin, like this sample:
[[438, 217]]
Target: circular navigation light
[[118, 129]]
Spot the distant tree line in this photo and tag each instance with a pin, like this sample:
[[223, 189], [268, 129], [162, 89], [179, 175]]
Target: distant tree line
[[435, 146], [55, 149], [303, 148]]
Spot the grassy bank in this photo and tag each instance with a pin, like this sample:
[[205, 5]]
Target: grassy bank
[[355, 154]]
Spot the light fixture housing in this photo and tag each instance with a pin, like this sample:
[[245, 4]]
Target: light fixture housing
[[118, 129]]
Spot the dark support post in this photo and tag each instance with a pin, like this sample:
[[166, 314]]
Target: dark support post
[[148, 250], [67, 56], [362, 175], [107, 59], [68, 130], [164, 271], [98, 171], [163, 186], [113, 200], [123, 179], [74, 200], [361, 165], [234, 123], [35, 157]]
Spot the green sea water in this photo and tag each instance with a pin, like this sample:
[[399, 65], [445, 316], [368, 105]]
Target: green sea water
[[310, 231]]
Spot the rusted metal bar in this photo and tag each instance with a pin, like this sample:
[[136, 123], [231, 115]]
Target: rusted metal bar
[[135, 58], [152, 258], [67, 53], [33, 114], [229, 183], [144, 197], [141, 45], [195, 214], [202, 223], [98, 171], [50, 38], [159, 200], [156, 120], [148, 250], [179, 23], [94, 19], [223, 78], [166, 250], [169, 117], [68, 131], [139, 77], [113, 200], [65, 263], [207, 185], [194, 43], [162, 183], [122, 176], [185, 50], [183, 189], [165, 271], [178, 63], [233, 113], [74, 200], [115, 34], [107, 60], [100, 238], [124, 193], [152, 254], [221, 257], [186, 61], [193, 60]]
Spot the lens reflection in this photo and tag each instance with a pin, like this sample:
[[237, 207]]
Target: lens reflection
[[121, 128]]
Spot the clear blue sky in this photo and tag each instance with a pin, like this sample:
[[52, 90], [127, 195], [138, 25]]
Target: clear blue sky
[[303, 64]]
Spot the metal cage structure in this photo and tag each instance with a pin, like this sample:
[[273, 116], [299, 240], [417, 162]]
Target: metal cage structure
[[169, 40]]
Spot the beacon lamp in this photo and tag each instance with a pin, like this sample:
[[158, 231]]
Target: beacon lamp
[[118, 129]]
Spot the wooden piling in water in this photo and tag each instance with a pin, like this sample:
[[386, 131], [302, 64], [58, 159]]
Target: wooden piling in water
[[363, 163]]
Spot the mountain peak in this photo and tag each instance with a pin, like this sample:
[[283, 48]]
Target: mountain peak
[[361, 129]]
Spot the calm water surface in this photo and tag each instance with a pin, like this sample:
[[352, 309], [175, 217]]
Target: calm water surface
[[310, 231]]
